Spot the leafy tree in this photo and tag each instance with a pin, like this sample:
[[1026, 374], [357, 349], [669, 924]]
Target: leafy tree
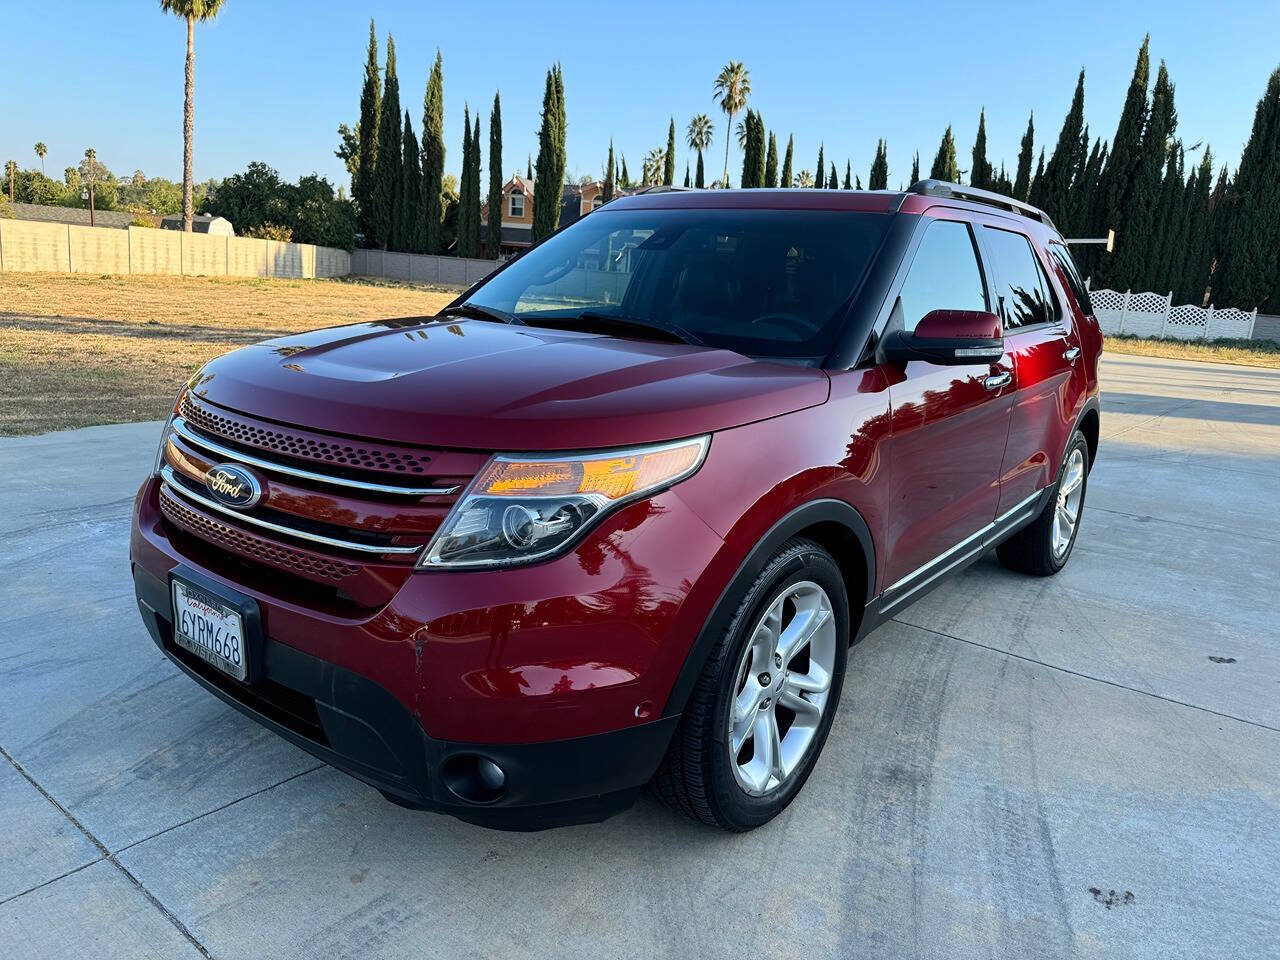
[[1052, 192], [433, 152], [698, 136], [980, 174], [1026, 151], [771, 162], [669, 165], [387, 167], [731, 89], [1114, 207], [493, 238], [785, 178], [1130, 265], [818, 182], [190, 11], [317, 215], [1248, 274], [878, 179], [366, 134], [944, 163], [41, 151], [309, 211]]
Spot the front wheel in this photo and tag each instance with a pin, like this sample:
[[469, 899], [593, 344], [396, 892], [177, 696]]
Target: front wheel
[[1043, 547], [763, 705]]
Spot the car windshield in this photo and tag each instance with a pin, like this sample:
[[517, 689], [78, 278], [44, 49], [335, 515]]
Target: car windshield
[[766, 283]]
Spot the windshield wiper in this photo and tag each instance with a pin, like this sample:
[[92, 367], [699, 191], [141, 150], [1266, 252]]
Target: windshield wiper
[[608, 321], [480, 311]]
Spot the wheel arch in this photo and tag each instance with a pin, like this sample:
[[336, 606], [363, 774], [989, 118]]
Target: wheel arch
[[838, 528], [1089, 423]]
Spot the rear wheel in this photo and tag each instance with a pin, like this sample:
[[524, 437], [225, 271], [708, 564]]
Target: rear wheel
[[764, 703], [1043, 547]]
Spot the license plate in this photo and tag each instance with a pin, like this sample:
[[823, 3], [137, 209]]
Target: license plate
[[209, 628]]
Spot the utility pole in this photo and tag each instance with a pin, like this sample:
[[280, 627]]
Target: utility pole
[[91, 162]]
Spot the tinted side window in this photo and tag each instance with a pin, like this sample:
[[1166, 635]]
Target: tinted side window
[[944, 274], [1022, 287], [1078, 289]]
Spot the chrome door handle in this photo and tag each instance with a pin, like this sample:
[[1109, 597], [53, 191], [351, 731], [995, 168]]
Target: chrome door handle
[[998, 380], [1071, 354]]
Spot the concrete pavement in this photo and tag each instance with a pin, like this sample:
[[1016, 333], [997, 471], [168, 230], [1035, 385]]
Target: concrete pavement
[[1085, 766]]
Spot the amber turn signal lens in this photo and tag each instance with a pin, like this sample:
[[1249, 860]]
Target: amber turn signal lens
[[613, 477]]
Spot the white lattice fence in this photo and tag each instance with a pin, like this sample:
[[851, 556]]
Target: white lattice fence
[[1154, 315]]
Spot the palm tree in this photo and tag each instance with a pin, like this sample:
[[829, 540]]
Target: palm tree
[[191, 11], [41, 150], [732, 87], [804, 179], [653, 166], [699, 138]]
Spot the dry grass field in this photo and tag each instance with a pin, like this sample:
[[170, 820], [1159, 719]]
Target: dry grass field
[[81, 350]]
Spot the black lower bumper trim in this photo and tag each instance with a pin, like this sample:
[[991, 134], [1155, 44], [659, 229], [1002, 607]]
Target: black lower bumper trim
[[359, 727]]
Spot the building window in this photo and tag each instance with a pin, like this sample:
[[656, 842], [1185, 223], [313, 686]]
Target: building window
[[517, 205], [597, 202]]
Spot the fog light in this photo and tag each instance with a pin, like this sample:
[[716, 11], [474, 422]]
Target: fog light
[[473, 779]]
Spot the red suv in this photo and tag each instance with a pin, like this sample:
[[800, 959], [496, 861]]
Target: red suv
[[614, 517]]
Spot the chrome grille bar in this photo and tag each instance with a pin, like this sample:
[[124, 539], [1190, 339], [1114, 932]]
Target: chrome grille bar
[[180, 427], [173, 486]]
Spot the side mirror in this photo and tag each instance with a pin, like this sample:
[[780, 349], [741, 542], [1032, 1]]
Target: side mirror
[[948, 337]]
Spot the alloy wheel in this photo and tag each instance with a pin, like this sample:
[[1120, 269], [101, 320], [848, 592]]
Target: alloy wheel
[[783, 687], [1070, 500]]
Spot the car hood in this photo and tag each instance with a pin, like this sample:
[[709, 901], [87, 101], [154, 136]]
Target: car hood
[[483, 385]]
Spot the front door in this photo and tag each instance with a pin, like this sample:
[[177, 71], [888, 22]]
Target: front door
[[949, 423]]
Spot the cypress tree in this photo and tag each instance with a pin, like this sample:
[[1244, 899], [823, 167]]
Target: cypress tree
[[546, 196], [562, 129], [1003, 184], [771, 162], [1055, 187], [878, 179], [367, 154], [688, 180], [700, 180], [1079, 193], [787, 178], [1193, 272], [1087, 259], [1248, 274], [404, 218], [474, 213], [748, 150], [610, 184], [944, 163], [1039, 175], [669, 162], [411, 197], [1022, 179], [758, 155], [915, 168], [528, 169], [1169, 223], [465, 240], [624, 180], [857, 183], [432, 206], [980, 171], [1131, 262], [387, 173], [1114, 207], [848, 175], [818, 182], [493, 237]]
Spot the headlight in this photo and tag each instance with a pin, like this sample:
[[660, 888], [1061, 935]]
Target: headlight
[[525, 508], [164, 434]]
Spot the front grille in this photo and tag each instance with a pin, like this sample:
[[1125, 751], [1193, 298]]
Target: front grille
[[334, 451], [313, 566]]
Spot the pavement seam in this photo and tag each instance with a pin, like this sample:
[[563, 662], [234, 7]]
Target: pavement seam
[[110, 857], [218, 809], [1085, 676], [1184, 523], [45, 883]]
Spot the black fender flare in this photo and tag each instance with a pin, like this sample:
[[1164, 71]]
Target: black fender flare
[[806, 515], [1091, 405]]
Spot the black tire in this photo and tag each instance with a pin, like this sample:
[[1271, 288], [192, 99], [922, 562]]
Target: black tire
[[1031, 549], [695, 776]]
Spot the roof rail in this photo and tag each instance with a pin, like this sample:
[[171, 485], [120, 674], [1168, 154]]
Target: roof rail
[[663, 188], [941, 188]]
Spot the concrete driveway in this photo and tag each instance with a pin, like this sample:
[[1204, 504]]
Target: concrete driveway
[[1082, 766]]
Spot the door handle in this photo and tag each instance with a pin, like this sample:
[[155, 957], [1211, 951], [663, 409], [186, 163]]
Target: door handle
[[1071, 354], [998, 380]]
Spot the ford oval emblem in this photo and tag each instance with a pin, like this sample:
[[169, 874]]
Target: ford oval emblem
[[233, 486]]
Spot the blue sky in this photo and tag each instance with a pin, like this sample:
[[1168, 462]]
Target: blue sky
[[274, 79]]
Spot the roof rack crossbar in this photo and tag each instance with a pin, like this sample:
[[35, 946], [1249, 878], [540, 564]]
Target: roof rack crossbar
[[941, 188]]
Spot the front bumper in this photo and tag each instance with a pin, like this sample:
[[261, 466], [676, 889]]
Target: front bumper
[[353, 724]]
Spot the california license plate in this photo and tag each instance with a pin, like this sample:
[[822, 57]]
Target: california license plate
[[209, 628]]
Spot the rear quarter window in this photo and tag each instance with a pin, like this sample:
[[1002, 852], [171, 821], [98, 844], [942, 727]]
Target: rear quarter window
[[1071, 275]]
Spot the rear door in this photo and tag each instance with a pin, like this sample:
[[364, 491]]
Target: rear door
[[949, 423], [1045, 350]]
